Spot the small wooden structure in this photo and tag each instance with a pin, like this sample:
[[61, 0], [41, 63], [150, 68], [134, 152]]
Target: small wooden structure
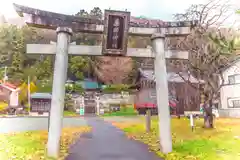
[[40, 104], [186, 98]]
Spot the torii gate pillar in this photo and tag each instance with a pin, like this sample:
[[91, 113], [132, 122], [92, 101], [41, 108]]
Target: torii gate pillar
[[162, 93], [58, 91]]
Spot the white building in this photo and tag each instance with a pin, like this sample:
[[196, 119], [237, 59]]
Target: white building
[[10, 94], [230, 91]]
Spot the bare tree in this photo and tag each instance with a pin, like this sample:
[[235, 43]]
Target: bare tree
[[211, 49]]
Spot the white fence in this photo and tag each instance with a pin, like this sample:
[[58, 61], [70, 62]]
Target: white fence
[[116, 98]]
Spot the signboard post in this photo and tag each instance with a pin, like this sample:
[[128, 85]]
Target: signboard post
[[82, 106], [98, 105], [48, 120], [81, 111], [191, 122]]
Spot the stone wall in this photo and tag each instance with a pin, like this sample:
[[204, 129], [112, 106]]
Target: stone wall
[[105, 100], [231, 113]]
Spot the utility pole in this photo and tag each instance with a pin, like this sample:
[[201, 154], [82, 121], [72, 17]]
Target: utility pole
[[29, 92], [5, 78]]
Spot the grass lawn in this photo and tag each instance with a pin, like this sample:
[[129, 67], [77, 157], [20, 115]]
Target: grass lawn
[[70, 114], [44, 88], [129, 111], [31, 145], [221, 143]]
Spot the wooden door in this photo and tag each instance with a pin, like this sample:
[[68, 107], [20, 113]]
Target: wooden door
[[89, 102]]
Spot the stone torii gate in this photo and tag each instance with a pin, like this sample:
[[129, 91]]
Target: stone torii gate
[[116, 27]]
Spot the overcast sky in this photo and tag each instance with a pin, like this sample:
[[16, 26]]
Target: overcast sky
[[162, 9]]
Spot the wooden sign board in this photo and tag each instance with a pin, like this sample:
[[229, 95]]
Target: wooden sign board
[[115, 35], [40, 105]]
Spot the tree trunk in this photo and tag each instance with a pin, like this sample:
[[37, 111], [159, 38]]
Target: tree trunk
[[208, 116], [208, 121]]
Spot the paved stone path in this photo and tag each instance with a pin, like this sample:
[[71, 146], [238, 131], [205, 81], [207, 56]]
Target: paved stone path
[[123, 119], [106, 142], [21, 124]]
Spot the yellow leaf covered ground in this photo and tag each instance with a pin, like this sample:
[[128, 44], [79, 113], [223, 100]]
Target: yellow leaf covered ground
[[3, 106], [65, 113], [221, 143], [31, 145]]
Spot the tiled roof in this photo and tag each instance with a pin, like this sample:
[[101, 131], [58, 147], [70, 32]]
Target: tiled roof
[[89, 84], [171, 76], [63, 18], [9, 86], [41, 96], [134, 21]]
